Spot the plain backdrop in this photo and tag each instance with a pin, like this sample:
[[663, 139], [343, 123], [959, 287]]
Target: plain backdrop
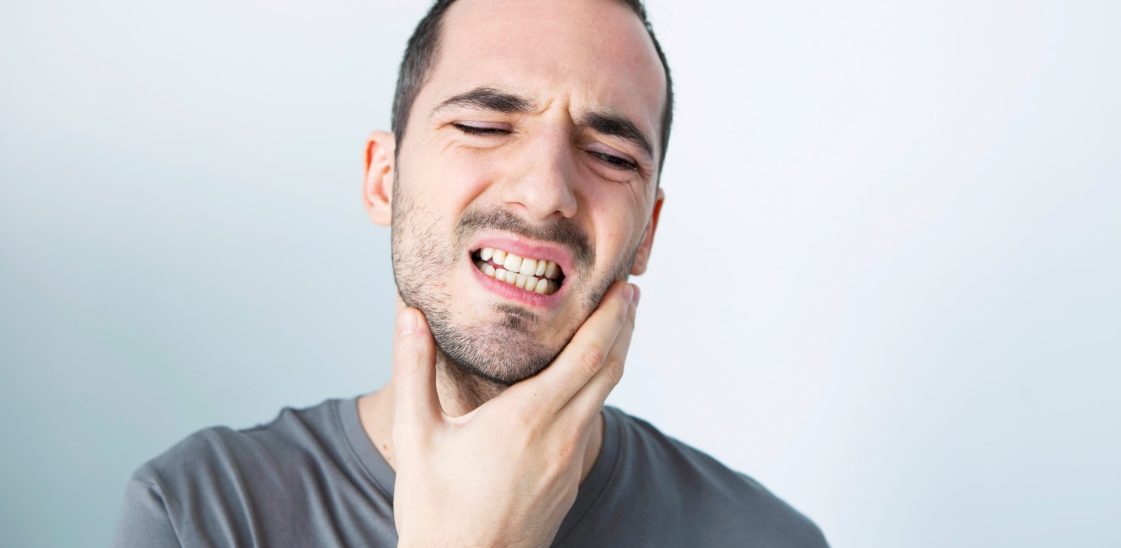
[[887, 282]]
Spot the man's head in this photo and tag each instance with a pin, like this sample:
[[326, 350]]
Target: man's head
[[423, 45], [528, 128]]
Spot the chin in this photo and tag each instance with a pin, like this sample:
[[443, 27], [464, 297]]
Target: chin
[[503, 353]]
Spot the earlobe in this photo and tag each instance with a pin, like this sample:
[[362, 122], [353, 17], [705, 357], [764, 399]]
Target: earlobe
[[642, 257], [377, 184]]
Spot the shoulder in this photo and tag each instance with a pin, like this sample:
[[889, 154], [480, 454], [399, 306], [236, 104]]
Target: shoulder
[[219, 451], [223, 470], [203, 489], [707, 491]]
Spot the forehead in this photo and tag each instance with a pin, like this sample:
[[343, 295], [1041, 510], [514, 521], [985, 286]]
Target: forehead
[[592, 54]]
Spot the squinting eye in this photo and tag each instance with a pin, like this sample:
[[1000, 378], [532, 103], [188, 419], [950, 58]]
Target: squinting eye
[[614, 161], [480, 130]]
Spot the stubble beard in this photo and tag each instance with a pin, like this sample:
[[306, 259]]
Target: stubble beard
[[496, 354]]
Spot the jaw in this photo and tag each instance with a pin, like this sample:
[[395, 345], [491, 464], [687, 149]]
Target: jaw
[[498, 340]]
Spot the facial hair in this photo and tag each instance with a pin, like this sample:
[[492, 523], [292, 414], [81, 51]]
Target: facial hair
[[501, 353]]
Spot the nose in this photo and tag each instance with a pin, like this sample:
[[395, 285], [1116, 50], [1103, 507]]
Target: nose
[[542, 185]]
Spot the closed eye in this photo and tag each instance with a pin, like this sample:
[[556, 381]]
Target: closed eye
[[614, 161], [480, 130]]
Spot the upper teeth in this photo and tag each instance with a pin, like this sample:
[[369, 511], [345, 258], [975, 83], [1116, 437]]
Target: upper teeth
[[536, 275]]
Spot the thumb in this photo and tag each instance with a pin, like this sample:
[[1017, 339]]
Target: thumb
[[416, 406]]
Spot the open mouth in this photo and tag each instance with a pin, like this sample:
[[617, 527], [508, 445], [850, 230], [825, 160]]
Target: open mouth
[[526, 273]]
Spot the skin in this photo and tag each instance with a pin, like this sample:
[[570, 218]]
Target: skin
[[485, 462]]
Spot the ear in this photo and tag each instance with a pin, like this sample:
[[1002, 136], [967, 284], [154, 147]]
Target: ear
[[643, 254], [377, 184]]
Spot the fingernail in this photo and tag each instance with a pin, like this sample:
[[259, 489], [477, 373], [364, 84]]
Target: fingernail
[[637, 294], [406, 322], [628, 293]]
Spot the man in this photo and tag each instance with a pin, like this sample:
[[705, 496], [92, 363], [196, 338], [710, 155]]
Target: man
[[522, 187]]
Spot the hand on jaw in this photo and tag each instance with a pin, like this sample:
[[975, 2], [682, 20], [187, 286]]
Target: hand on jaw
[[507, 472]]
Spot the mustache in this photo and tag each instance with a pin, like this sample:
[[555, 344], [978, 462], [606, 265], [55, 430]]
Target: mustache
[[564, 232]]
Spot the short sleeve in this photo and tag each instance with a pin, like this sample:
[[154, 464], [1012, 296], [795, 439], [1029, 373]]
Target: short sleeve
[[144, 520]]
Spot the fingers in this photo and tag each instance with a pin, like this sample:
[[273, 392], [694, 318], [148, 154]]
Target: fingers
[[588, 401], [416, 406], [584, 356]]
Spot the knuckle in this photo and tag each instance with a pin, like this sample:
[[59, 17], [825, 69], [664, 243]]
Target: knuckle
[[525, 424], [410, 364], [566, 452], [592, 358], [523, 420], [615, 371], [622, 315], [407, 351]]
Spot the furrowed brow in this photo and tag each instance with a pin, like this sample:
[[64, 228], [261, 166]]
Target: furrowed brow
[[488, 99], [617, 125]]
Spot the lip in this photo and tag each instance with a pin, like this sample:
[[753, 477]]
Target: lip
[[522, 248], [526, 248], [512, 293]]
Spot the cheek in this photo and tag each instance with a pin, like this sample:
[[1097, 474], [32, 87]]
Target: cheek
[[617, 226], [457, 182], [446, 175]]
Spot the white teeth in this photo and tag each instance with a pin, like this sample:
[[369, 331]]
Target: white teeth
[[535, 275]]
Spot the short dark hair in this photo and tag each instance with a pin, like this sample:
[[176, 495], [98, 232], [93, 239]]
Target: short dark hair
[[424, 44]]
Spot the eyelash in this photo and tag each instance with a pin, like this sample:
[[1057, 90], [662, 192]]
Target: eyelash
[[473, 130], [615, 161], [611, 160]]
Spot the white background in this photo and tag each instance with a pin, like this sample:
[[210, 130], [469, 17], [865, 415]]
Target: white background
[[887, 282]]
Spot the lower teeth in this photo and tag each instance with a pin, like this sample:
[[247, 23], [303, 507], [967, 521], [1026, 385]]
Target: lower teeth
[[543, 286]]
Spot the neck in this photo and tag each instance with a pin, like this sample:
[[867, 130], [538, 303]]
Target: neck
[[459, 392]]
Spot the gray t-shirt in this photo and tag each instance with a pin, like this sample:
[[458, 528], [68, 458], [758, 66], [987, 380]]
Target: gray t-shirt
[[311, 477]]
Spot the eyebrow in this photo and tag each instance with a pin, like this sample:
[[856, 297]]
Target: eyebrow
[[617, 125], [488, 99], [605, 123]]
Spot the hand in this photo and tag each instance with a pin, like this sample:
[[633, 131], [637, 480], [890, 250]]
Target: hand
[[506, 473]]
